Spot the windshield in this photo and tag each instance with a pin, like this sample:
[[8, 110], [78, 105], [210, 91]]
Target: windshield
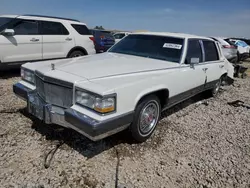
[[150, 46]]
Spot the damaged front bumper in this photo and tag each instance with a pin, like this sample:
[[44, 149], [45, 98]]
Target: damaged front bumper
[[70, 118]]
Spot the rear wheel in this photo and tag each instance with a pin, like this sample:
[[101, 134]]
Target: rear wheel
[[214, 92], [76, 53], [146, 117]]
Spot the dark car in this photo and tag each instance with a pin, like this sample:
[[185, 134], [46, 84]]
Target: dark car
[[103, 40]]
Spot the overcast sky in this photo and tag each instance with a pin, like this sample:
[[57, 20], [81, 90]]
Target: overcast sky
[[202, 17]]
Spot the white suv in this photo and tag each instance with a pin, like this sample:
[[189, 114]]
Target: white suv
[[33, 37]]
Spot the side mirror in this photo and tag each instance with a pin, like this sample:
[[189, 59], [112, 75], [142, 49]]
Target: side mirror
[[8, 32], [194, 61]]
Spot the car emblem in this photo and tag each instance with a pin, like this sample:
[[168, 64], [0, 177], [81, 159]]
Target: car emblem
[[52, 66]]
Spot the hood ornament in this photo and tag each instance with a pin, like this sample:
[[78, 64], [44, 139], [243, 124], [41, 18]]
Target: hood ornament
[[52, 66]]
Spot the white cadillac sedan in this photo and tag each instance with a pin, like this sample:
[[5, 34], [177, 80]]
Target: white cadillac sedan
[[126, 87]]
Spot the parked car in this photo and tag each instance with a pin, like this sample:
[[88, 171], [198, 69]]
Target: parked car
[[103, 40], [33, 37], [229, 49], [243, 39], [243, 49], [126, 87], [118, 36]]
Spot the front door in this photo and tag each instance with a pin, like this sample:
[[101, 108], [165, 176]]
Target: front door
[[24, 45], [191, 77]]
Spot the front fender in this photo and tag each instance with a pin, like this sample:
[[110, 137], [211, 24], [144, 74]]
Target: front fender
[[149, 91]]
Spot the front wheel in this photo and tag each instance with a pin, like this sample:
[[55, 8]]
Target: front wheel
[[146, 117]]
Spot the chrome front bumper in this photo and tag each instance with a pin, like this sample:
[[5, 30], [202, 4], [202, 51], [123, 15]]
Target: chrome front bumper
[[70, 118]]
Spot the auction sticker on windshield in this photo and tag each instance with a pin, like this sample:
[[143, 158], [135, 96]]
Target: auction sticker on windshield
[[173, 46]]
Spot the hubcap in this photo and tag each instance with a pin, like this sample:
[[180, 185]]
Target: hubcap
[[217, 87], [149, 117], [77, 55]]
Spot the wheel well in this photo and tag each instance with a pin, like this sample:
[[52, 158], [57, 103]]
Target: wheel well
[[78, 48], [162, 94], [223, 76]]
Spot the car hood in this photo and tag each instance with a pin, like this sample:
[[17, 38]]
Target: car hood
[[110, 64]]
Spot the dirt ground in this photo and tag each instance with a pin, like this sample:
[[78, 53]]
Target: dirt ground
[[203, 142]]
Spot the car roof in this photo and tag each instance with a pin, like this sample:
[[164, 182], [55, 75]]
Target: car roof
[[121, 32], [177, 35], [46, 18], [100, 30]]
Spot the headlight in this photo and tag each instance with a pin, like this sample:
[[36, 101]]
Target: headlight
[[28, 75], [95, 102]]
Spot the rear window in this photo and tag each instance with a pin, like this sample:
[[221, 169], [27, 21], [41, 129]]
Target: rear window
[[149, 46], [81, 29], [211, 53], [105, 34]]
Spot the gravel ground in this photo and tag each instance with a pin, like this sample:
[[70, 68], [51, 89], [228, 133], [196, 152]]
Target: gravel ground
[[199, 143]]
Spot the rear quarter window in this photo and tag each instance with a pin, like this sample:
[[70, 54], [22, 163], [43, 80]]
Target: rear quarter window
[[81, 29], [211, 52]]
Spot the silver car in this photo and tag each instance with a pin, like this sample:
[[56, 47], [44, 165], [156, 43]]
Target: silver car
[[229, 49]]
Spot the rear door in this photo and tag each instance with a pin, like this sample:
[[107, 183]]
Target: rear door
[[57, 41], [25, 45]]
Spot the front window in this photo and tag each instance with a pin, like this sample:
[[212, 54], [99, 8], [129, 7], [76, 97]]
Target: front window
[[4, 21], [25, 27], [150, 46]]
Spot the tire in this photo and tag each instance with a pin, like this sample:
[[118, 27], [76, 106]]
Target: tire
[[76, 53], [244, 75], [142, 131], [214, 92]]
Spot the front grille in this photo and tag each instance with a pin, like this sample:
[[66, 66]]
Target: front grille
[[40, 87], [54, 93]]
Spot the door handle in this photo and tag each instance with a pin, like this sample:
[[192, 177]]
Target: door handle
[[68, 39], [221, 66], [204, 69], [34, 40]]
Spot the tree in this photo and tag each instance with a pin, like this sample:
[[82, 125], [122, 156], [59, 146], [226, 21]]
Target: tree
[[99, 28]]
